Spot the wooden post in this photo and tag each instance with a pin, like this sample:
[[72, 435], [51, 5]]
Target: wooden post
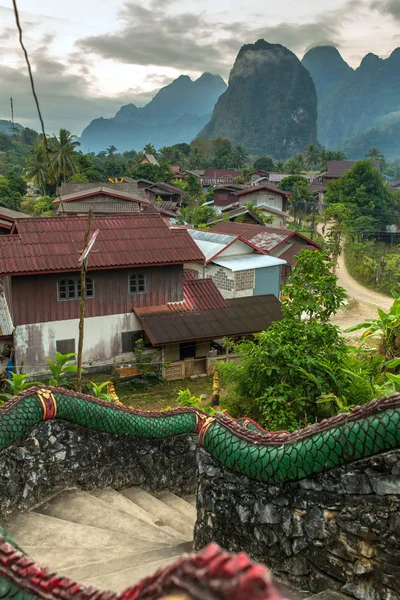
[[82, 304]]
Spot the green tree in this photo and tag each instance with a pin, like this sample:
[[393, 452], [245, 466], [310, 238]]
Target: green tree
[[365, 193], [313, 289], [312, 156], [266, 163], [375, 154], [111, 150], [295, 165], [39, 170], [239, 156], [63, 157], [150, 149]]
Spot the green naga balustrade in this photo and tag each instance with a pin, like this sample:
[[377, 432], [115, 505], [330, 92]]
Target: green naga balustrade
[[242, 446]]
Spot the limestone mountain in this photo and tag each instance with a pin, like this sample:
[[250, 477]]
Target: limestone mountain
[[175, 114], [357, 102], [329, 72], [270, 106]]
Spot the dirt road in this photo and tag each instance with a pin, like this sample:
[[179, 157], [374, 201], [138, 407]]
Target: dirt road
[[362, 302]]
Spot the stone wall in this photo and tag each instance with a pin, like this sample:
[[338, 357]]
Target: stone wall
[[339, 530], [58, 455]]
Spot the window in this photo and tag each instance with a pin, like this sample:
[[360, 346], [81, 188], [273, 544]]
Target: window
[[70, 289], [65, 346], [129, 339], [137, 283]]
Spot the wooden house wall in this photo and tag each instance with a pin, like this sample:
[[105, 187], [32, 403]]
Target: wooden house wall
[[34, 297]]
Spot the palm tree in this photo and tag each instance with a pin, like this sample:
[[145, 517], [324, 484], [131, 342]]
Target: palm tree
[[150, 149], [111, 150], [38, 167], [63, 157], [312, 156], [239, 156], [375, 154]]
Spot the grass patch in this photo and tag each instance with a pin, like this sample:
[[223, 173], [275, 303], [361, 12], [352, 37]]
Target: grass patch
[[161, 395]]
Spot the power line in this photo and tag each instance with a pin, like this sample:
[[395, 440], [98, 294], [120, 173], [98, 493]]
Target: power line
[[17, 20]]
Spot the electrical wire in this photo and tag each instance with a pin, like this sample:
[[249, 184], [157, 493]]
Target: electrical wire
[[21, 41]]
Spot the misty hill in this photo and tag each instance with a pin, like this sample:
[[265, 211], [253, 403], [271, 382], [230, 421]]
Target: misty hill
[[175, 114], [270, 106], [5, 126], [357, 101]]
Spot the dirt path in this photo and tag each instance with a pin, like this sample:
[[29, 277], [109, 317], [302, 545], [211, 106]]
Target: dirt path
[[362, 302]]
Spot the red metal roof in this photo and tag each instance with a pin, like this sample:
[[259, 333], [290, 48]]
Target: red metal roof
[[216, 173], [104, 191], [54, 244], [199, 294], [270, 188]]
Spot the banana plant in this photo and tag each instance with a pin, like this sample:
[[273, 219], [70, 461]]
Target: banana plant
[[387, 326]]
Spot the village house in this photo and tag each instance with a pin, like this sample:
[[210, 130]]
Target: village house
[[237, 267], [149, 159], [77, 198], [135, 276], [8, 218], [276, 241], [110, 198], [224, 195], [242, 214], [270, 200], [216, 177]]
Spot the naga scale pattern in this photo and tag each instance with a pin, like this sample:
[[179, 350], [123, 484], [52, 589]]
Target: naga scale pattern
[[242, 446]]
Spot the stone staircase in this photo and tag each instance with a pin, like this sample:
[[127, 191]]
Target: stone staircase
[[106, 538], [111, 539]]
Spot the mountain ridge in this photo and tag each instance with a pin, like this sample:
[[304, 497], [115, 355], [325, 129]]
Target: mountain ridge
[[354, 103], [175, 114]]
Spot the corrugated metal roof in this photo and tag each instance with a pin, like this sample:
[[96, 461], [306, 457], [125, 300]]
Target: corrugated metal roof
[[242, 316], [199, 294], [53, 244], [268, 188], [266, 237], [248, 261], [12, 214], [138, 195], [6, 324], [211, 243]]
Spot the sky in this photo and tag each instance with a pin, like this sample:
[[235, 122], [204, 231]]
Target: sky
[[92, 56]]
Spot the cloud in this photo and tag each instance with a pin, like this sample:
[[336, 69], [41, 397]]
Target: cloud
[[388, 7], [188, 42], [66, 99]]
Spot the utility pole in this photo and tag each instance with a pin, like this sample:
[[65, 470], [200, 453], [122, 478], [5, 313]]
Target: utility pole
[[83, 262], [13, 128], [312, 220]]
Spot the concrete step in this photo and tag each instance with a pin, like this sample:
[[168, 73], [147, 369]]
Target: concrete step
[[179, 504], [77, 506], [84, 573], [160, 510], [121, 580], [191, 499], [328, 595], [37, 530], [117, 501]]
